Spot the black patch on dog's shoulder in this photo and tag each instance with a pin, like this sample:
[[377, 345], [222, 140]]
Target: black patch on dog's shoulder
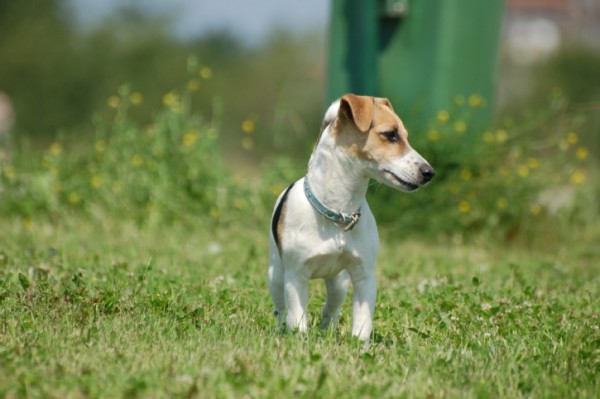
[[277, 215]]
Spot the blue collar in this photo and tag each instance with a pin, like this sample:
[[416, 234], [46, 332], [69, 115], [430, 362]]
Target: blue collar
[[346, 220]]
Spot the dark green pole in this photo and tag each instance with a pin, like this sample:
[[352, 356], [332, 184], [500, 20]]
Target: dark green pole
[[352, 64]]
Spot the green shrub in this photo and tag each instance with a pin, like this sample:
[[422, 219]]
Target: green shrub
[[170, 170], [501, 181], [521, 181]]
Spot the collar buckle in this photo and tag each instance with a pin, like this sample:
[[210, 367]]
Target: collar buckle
[[350, 220]]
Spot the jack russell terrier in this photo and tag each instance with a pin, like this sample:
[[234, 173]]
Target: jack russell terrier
[[322, 226]]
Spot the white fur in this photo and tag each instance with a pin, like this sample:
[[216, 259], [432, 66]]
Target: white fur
[[311, 246]]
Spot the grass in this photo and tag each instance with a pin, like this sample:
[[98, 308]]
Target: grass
[[135, 266], [112, 310]]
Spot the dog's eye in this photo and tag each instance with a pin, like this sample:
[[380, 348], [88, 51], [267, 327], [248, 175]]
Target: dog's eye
[[391, 136]]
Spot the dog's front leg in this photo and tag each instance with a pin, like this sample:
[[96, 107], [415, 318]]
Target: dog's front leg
[[363, 306], [337, 287], [296, 300]]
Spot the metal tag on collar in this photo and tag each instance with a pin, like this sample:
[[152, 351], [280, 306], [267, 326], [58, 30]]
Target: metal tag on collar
[[354, 218]]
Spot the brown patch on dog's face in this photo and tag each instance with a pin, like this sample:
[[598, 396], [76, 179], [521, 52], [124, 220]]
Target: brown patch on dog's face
[[368, 128]]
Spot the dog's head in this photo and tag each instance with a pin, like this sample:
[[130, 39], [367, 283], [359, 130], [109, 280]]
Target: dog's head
[[368, 128]]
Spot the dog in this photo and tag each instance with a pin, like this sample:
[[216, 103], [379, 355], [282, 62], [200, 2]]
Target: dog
[[322, 226]]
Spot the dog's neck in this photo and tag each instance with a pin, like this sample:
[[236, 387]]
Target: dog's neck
[[334, 177]]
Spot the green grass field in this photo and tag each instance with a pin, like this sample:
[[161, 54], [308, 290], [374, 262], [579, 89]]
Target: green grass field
[[133, 264], [112, 310]]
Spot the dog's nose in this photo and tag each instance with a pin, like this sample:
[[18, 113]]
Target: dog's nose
[[427, 172]]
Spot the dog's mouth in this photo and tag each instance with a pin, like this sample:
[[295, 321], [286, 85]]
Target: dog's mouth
[[408, 185]]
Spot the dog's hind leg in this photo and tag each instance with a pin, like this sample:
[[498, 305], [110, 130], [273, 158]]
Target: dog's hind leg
[[276, 286], [337, 287]]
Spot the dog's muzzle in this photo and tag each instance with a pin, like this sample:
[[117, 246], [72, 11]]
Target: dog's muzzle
[[427, 173]]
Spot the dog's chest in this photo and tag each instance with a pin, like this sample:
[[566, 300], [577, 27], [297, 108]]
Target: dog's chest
[[318, 248], [332, 256]]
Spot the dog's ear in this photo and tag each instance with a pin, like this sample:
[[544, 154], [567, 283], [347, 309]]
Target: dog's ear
[[385, 102], [358, 109]]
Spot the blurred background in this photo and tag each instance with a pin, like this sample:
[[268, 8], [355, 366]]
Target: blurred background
[[213, 94], [63, 59]]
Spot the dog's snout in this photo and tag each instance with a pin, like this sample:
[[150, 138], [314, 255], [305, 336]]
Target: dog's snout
[[427, 172]]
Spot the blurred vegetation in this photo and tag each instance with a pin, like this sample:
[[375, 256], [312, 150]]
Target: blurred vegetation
[[573, 70], [529, 182], [59, 78], [571, 73], [132, 124]]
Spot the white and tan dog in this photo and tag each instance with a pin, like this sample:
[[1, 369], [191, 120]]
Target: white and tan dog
[[322, 226]]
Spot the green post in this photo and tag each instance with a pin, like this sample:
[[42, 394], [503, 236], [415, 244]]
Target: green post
[[353, 56], [421, 54]]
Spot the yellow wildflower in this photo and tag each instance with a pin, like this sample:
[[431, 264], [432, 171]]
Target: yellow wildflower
[[193, 85], [523, 171], [55, 149], [239, 203], [535, 209], [9, 172], [475, 100], [488, 137], [502, 203], [578, 177], [189, 138], [465, 174], [27, 223], [581, 153], [136, 98], [100, 146], [74, 198], [248, 126], [433, 135], [206, 72], [501, 135], [137, 160], [276, 189], [460, 127], [170, 99], [533, 163], [443, 116], [113, 101], [464, 207], [96, 181], [572, 138]]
